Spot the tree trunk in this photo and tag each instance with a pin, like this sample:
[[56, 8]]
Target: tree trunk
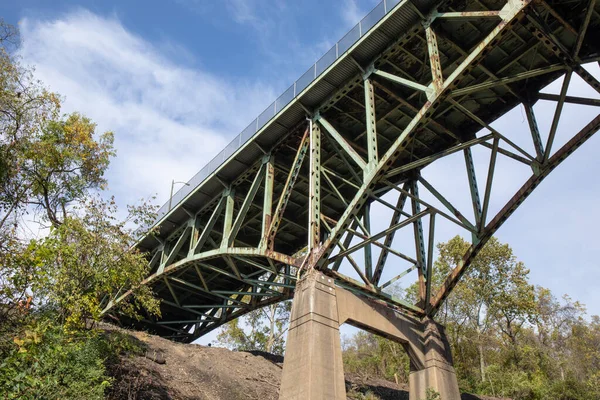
[[271, 339], [480, 350]]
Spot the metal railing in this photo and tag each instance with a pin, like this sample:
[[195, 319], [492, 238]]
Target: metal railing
[[380, 10]]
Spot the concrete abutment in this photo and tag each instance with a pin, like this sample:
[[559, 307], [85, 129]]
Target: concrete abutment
[[313, 368]]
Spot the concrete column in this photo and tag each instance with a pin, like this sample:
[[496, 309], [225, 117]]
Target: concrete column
[[438, 373], [312, 368]]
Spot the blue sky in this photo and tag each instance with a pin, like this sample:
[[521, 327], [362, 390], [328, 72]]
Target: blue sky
[[177, 79]]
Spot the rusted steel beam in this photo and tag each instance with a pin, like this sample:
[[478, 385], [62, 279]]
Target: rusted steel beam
[[583, 27], [389, 238], [287, 188], [510, 15], [587, 132], [314, 198], [267, 202]]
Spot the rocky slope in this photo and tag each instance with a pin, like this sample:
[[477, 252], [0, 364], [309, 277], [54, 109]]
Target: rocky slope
[[165, 370]]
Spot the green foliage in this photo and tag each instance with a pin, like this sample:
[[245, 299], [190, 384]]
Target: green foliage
[[508, 338], [55, 165], [63, 162], [53, 289], [87, 260], [356, 395], [262, 329], [432, 394], [46, 363], [369, 355]]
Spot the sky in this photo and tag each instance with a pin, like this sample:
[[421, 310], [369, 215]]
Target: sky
[[175, 80]]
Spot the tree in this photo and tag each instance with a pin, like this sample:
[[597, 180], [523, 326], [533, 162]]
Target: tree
[[53, 165], [54, 287], [25, 107], [508, 338], [368, 355], [87, 261], [494, 293], [262, 329], [63, 163]]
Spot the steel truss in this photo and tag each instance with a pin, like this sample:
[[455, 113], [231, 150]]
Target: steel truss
[[307, 203]]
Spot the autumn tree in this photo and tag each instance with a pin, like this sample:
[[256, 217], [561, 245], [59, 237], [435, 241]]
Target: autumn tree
[[508, 338], [52, 167]]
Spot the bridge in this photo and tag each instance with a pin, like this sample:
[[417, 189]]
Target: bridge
[[291, 204]]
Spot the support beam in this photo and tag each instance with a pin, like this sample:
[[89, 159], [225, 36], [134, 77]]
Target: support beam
[[470, 166], [209, 225], [557, 114], [419, 241], [258, 178], [468, 15], [228, 221], [288, 187], [535, 131], [389, 238], [371, 123], [402, 81], [437, 79], [570, 99], [509, 14], [583, 29], [368, 252], [314, 196], [581, 137], [505, 80], [342, 142], [267, 210], [381, 234]]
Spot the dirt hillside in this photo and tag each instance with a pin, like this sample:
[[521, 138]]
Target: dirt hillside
[[173, 371]]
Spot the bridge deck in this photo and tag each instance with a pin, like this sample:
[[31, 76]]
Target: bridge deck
[[199, 281]]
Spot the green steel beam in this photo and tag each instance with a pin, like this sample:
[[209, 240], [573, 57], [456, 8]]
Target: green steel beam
[[475, 200], [535, 131], [228, 220], [231, 235], [209, 226], [402, 81], [371, 123], [557, 114], [381, 234], [389, 238], [314, 195], [342, 142], [267, 203]]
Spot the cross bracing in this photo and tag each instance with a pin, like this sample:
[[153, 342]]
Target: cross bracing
[[425, 84]]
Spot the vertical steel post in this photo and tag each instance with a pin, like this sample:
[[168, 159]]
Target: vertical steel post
[[420, 246], [314, 198], [434, 58], [469, 164], [367, 249], [267, 201], [371, 125], [229, 206]]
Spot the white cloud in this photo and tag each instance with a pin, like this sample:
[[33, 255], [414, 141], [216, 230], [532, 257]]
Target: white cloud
[[169, 120], [355, 10]]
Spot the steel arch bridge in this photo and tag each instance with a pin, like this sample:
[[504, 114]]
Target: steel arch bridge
[[423, 83]]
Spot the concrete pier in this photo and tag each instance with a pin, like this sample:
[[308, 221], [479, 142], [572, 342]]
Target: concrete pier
[[313, 368]]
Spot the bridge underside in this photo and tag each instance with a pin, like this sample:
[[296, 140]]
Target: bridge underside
[[424, 84]]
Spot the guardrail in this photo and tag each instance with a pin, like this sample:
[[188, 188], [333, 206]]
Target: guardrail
[[302, 83]]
